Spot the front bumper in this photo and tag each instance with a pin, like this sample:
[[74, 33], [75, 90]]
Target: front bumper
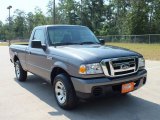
[[85, 87]]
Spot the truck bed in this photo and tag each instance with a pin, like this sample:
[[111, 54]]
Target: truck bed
[[19, 49]]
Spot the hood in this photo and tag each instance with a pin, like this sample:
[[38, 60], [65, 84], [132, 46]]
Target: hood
[[93, 53]]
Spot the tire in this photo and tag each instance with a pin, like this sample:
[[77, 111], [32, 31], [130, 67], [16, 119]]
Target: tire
[[21, 74], [64, 92], [125, 94]]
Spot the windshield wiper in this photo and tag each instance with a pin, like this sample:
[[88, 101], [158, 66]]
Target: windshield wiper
[[68, 43], [88, 42], [59, 44]]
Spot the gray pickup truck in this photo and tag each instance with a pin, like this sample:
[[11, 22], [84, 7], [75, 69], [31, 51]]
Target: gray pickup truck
[[77, 64]]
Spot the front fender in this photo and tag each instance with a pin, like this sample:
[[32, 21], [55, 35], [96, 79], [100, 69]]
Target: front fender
[[70, 69], [60, 65]]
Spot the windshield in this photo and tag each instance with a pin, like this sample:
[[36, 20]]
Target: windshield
[[69, 35]]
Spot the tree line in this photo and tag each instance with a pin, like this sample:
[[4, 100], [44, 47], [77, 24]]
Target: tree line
[[103, 17]]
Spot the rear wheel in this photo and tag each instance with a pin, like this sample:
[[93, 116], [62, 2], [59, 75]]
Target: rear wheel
[[64, 92], [21, 74]]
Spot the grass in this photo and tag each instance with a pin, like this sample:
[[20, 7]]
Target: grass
[[6, 43], [3, 44], [149, 51], [20, 43]]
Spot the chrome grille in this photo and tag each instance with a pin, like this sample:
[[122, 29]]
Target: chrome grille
[[119, 66]]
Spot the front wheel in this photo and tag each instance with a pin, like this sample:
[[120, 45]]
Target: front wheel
[[64, 92], [21, 74]]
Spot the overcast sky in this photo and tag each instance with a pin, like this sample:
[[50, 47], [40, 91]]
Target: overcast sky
[[26, 5]]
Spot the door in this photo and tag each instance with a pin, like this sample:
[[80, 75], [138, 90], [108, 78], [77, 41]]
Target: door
[[37, 62]]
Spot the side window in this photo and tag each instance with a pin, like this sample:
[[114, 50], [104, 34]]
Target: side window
[[39, 35]]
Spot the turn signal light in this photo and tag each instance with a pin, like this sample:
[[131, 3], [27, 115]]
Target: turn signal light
[[82, 69]]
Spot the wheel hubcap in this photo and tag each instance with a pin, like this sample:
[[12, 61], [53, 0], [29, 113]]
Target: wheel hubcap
[[60, 92], [17, 70]]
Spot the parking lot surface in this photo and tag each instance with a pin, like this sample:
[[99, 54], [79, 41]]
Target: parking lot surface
[[34, 99]]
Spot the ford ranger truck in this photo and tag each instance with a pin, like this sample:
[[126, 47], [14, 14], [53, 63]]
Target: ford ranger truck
[[77, 64]]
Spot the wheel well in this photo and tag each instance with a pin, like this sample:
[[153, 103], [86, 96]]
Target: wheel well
[[15, 58], [55, 72]]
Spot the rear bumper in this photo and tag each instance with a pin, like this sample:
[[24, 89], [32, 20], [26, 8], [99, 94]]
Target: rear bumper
[[87, 87]]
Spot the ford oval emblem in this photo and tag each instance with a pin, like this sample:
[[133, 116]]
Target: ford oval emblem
[[124, 66]]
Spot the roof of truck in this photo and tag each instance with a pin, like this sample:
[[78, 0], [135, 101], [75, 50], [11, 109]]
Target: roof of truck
[[45, 26]]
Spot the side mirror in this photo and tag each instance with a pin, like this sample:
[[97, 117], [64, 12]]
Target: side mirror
[[102, 41], [38, 44]]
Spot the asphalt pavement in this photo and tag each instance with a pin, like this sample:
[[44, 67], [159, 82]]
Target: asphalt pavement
[[34, 99]]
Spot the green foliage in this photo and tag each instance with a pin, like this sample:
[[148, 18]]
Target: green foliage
[[139, 17], [19, 23], [103, 17]]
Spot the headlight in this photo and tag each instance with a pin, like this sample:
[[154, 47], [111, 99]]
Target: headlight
[[90, 69], [141, 63]]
